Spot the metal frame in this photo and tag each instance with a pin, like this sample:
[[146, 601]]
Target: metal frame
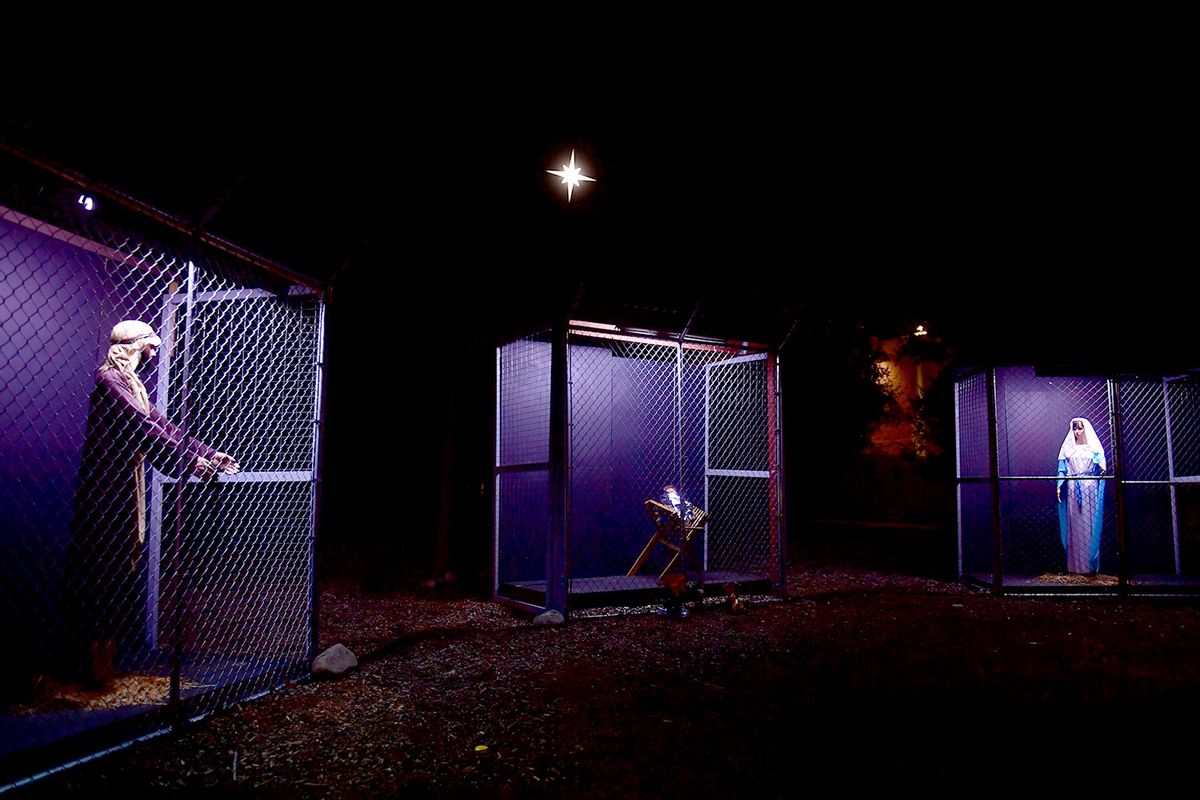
[[508, 469], [1171, 474], [159, 481], [709, 472]]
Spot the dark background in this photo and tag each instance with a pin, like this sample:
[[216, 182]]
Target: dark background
[[809, 208]]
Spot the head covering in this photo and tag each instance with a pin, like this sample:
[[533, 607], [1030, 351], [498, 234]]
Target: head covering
[[129, 338], [672, 495], [132, 330], [1093, 441]]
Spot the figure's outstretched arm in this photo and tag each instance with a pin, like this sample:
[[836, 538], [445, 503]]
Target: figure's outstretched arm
[[168, 448]]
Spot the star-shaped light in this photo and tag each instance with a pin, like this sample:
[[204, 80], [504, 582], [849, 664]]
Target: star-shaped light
[[570, 175]]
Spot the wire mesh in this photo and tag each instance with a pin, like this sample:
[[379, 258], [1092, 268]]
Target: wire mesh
[[1153, 552], [522, 483], [1042, 534], [624, 449], [1144, 456], [1183, 436], [1058, 490], [141, 566], [972, 413], [1183, 397], [976, 549], [670, 468], [1146, 468], [1187, 518], [742, 537]]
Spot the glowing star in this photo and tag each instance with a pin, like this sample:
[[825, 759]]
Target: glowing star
[[570, 175]]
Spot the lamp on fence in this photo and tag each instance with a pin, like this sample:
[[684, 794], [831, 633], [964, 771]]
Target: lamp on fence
[[74, 199]]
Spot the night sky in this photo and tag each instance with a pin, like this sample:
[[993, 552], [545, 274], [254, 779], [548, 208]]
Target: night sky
[[965, 199]]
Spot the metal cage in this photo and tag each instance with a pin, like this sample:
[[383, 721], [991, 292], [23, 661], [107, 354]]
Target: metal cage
[[146, 577], [592, 423], [1126, 522]]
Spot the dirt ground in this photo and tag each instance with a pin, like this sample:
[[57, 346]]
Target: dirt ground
[[860, 679]]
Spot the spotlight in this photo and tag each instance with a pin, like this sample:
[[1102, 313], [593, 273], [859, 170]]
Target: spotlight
[[87, 202], [920, 331]]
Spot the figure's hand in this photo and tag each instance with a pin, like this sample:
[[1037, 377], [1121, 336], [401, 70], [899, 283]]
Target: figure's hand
[[204, 469], [1058, 493], [225, 463]]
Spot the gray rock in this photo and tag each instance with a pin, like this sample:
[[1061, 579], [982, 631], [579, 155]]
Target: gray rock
[[334, 662], [550, 617]]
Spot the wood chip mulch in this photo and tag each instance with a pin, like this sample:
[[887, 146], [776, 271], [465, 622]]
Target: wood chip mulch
[[858, 677], [1078, 580], [124, 691]]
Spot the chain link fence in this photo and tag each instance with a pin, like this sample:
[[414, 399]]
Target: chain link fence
[[671, 468], [159, 407], [1083, 501], [974, 492], [522, 479]]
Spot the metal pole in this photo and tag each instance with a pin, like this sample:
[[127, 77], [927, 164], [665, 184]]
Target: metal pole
[[1114, 400], [181, 470], [707, 463], [498, 398], [154, 581], [680, 459], [556, 544], [775, 468], [318, 457], [678, 443], [1171, 475], [190, 229], [958, 487], [994, 473]]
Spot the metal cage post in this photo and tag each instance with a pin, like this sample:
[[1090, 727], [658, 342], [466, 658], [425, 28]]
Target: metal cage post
[[958, 473], [556, 545], [776, 487], [1171, 477], [318, 455], [1114, 404], [994, 476], [177, 582]]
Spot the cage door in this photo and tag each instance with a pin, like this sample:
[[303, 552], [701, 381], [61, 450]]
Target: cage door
[[252, 391], [737, 475]]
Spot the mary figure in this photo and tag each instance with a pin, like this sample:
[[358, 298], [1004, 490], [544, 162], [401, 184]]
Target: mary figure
[[1081, 502]]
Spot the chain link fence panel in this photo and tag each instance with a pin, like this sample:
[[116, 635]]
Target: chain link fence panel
[[522, 476], [975, 546], [1183, 412], [1183, 437], [1146, 472], [1033, 418], [743, 538], [669, 466], [971, 412]]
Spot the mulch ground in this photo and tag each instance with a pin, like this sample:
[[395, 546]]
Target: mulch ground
[[860, 679]]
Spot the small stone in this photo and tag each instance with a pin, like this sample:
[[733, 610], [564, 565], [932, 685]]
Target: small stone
[[334, 662], [550, 617]]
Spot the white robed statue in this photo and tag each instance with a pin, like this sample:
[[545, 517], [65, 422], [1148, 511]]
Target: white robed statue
[[1081, 502]]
